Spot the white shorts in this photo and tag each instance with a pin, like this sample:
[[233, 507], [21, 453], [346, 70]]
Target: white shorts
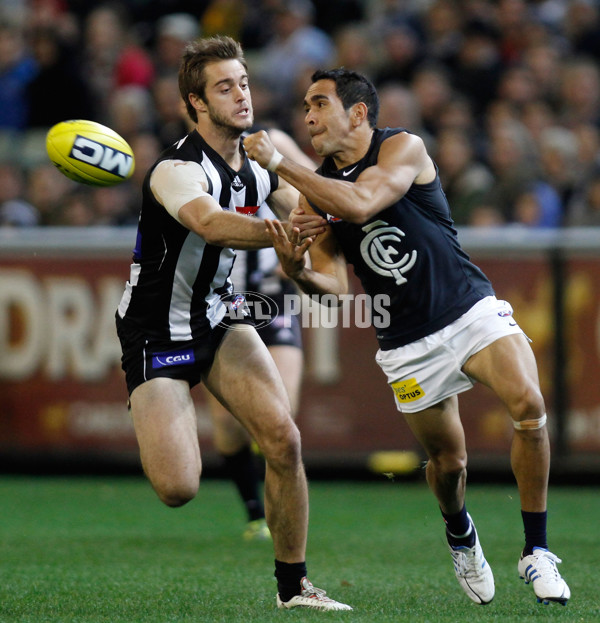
[[425, 372]]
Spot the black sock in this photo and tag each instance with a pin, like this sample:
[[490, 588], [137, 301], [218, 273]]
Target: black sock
[[459, 528], [241, 468], [535, 531], [288, 576]]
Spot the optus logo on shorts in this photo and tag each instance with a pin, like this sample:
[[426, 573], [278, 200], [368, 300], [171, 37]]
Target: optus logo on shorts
[[174, 358], [407, 390]]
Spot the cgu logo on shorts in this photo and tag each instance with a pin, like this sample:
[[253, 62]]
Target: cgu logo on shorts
[[174, 358], [407, 390], [101, 156]]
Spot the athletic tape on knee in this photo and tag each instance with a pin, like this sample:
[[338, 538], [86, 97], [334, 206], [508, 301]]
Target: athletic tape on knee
[[531, 424]]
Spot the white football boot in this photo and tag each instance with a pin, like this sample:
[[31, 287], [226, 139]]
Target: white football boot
[[540, 569], [311, 597], [473, 572]]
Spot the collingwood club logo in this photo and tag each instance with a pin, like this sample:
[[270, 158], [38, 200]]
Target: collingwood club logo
[[379, 249]]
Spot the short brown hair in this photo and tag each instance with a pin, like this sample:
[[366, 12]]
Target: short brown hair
[[197, 55]]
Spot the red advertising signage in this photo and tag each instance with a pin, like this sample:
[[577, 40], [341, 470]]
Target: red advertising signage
[[62, 388]]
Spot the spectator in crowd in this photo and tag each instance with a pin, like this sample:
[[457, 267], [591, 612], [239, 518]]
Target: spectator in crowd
[[537, 116], [532, 63], [538, 205], [17, 70], [58, 91], [443, 26], [458, 116], [582, 27], [353, 48], [130, 111], [18, 213], [76, 210], [296, 45], [558, 148], [512, 158], [465, 180], [580, 92], [432, 88], [224, 17], [401, 54], [111, 204], [14, 210], [477, 65], [584, 210], [12, 181], [46, 191], [169, 123], [112, 56], [517, 87], [544, 61], [399, 107], [173, 32]]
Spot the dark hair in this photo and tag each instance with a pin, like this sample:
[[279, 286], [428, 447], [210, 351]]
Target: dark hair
[[352, 88], [196, 56]]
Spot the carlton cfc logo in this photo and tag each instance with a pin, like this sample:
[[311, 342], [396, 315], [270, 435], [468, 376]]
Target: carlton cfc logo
[[380, 250]]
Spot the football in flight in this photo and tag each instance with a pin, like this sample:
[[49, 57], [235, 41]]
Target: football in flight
[[89, 152]]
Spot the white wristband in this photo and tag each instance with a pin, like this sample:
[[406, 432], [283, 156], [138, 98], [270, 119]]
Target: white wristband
[[276, 158]]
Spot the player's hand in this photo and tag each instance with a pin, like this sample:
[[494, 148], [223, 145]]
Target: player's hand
[[308, 225], [258, 146], [289, 248]]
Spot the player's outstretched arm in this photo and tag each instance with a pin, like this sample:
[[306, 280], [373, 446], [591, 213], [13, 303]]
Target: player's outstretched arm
[[328, 272], [402, 160]]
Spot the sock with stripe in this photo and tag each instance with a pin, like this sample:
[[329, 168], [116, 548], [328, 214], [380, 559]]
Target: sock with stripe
[[459, 529]]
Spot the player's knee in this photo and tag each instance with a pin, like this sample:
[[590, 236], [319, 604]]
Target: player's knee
[[448, 463], [175, 493], [528, 404], [282, 448]]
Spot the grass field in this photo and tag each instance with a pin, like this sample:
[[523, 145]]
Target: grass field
[[75, 550]]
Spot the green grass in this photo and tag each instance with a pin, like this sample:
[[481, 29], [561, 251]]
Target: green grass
[[105, 550]]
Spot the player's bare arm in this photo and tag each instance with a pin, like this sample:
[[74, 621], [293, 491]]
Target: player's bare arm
[[283, 200], [328, 272], [403, 160], [181, 187]]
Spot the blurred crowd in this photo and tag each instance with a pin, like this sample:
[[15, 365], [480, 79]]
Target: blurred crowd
[[505, 93]]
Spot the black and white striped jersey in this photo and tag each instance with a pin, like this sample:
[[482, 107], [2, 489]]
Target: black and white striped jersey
[[177, 279], [256, 270]]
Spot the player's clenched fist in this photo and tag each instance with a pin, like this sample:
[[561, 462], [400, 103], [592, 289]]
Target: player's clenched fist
[[259, 147]]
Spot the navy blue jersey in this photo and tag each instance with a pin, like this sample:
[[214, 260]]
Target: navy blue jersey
[[409, 252], [177, 279]]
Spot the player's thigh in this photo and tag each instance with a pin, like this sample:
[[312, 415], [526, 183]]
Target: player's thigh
[[439, 430], [290, 363], [164, 418], [245, 379], [509, 368], [229, 436]]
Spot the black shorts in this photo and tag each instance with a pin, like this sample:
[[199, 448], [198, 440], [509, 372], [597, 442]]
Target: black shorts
[[274, 327], [282, 331], [144, 359]]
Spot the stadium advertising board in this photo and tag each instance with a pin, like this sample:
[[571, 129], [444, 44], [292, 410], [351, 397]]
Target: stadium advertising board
[[63, 390]]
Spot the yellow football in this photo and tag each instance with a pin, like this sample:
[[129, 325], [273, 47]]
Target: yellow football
[[89, 152]]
